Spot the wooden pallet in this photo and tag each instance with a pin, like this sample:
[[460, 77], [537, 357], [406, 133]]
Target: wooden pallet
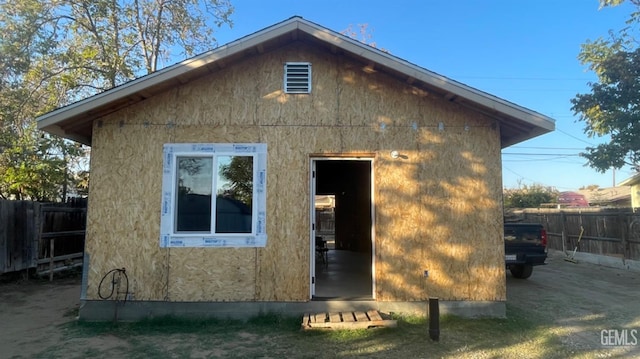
[[346, 320]]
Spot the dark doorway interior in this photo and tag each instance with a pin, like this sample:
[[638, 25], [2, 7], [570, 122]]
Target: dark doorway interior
[[347, 275]]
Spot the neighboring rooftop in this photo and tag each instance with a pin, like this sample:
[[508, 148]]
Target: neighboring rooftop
[[619, 196]]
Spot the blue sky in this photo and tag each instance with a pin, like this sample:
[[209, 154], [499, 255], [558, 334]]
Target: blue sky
[[522, 51]]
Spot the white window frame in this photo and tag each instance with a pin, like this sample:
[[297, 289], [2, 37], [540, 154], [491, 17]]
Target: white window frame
[[169, 237]]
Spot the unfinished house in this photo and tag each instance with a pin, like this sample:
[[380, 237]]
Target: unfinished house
[[205, 177]]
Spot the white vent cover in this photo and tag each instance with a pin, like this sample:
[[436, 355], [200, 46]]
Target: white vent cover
[[297, 77]]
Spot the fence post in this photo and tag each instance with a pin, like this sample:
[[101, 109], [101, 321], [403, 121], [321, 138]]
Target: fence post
[[52, 245], [563, 220], [626, 250], [36, 240], [434, 319]]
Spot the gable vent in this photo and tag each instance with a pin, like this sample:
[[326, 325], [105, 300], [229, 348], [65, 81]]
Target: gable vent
[[297, 77]]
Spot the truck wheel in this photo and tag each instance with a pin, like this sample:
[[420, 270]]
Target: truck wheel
[[521, 271]]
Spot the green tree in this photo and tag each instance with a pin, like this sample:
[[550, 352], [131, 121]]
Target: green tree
[[604, 3], [529, 196], [58, 51], [33, 171], [32, 165], [611, 108], [96, 45], [239, 174]]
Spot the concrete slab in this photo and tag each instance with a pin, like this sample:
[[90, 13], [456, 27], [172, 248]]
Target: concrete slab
[[100, 310], [606, 261]]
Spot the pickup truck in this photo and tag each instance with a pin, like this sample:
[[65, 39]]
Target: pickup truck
[[525, 246]]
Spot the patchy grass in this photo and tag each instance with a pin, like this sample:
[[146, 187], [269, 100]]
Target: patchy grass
[[273, 336], [72, 313]]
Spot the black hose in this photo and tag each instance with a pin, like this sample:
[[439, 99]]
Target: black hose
[[115, 284]]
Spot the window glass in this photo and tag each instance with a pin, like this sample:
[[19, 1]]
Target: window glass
[[214, 195], [193, 205], [234, 188]]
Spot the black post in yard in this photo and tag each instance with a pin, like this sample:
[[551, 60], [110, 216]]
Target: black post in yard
[[434, 319]]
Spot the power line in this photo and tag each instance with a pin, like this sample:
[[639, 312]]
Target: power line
[[549, 148], [507, 78], [531, 89], [521, 177], [516, 173], [574, 137], [563, 116], [546, 160], [541, 154]]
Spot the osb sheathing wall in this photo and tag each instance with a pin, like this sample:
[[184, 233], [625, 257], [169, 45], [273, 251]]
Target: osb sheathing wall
[[437, 206]]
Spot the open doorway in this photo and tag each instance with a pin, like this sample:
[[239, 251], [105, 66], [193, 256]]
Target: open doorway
[[342, 215]]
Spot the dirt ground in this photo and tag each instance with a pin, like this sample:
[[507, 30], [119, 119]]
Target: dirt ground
[[31, 311], [582, 300]]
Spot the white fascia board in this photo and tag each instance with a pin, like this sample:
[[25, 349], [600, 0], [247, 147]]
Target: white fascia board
[[134, 86], [323, 34]]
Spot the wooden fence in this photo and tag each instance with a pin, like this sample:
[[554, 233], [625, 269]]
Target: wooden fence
[[44, 236], [18, 235], [605, 231]]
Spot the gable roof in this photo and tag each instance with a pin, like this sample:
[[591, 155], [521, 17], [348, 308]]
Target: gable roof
[[74, 121]]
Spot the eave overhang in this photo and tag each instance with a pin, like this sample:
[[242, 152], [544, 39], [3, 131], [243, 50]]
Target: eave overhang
[[75, 121]]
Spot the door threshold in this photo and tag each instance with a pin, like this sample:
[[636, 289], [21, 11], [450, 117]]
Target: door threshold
[[339, 298]]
